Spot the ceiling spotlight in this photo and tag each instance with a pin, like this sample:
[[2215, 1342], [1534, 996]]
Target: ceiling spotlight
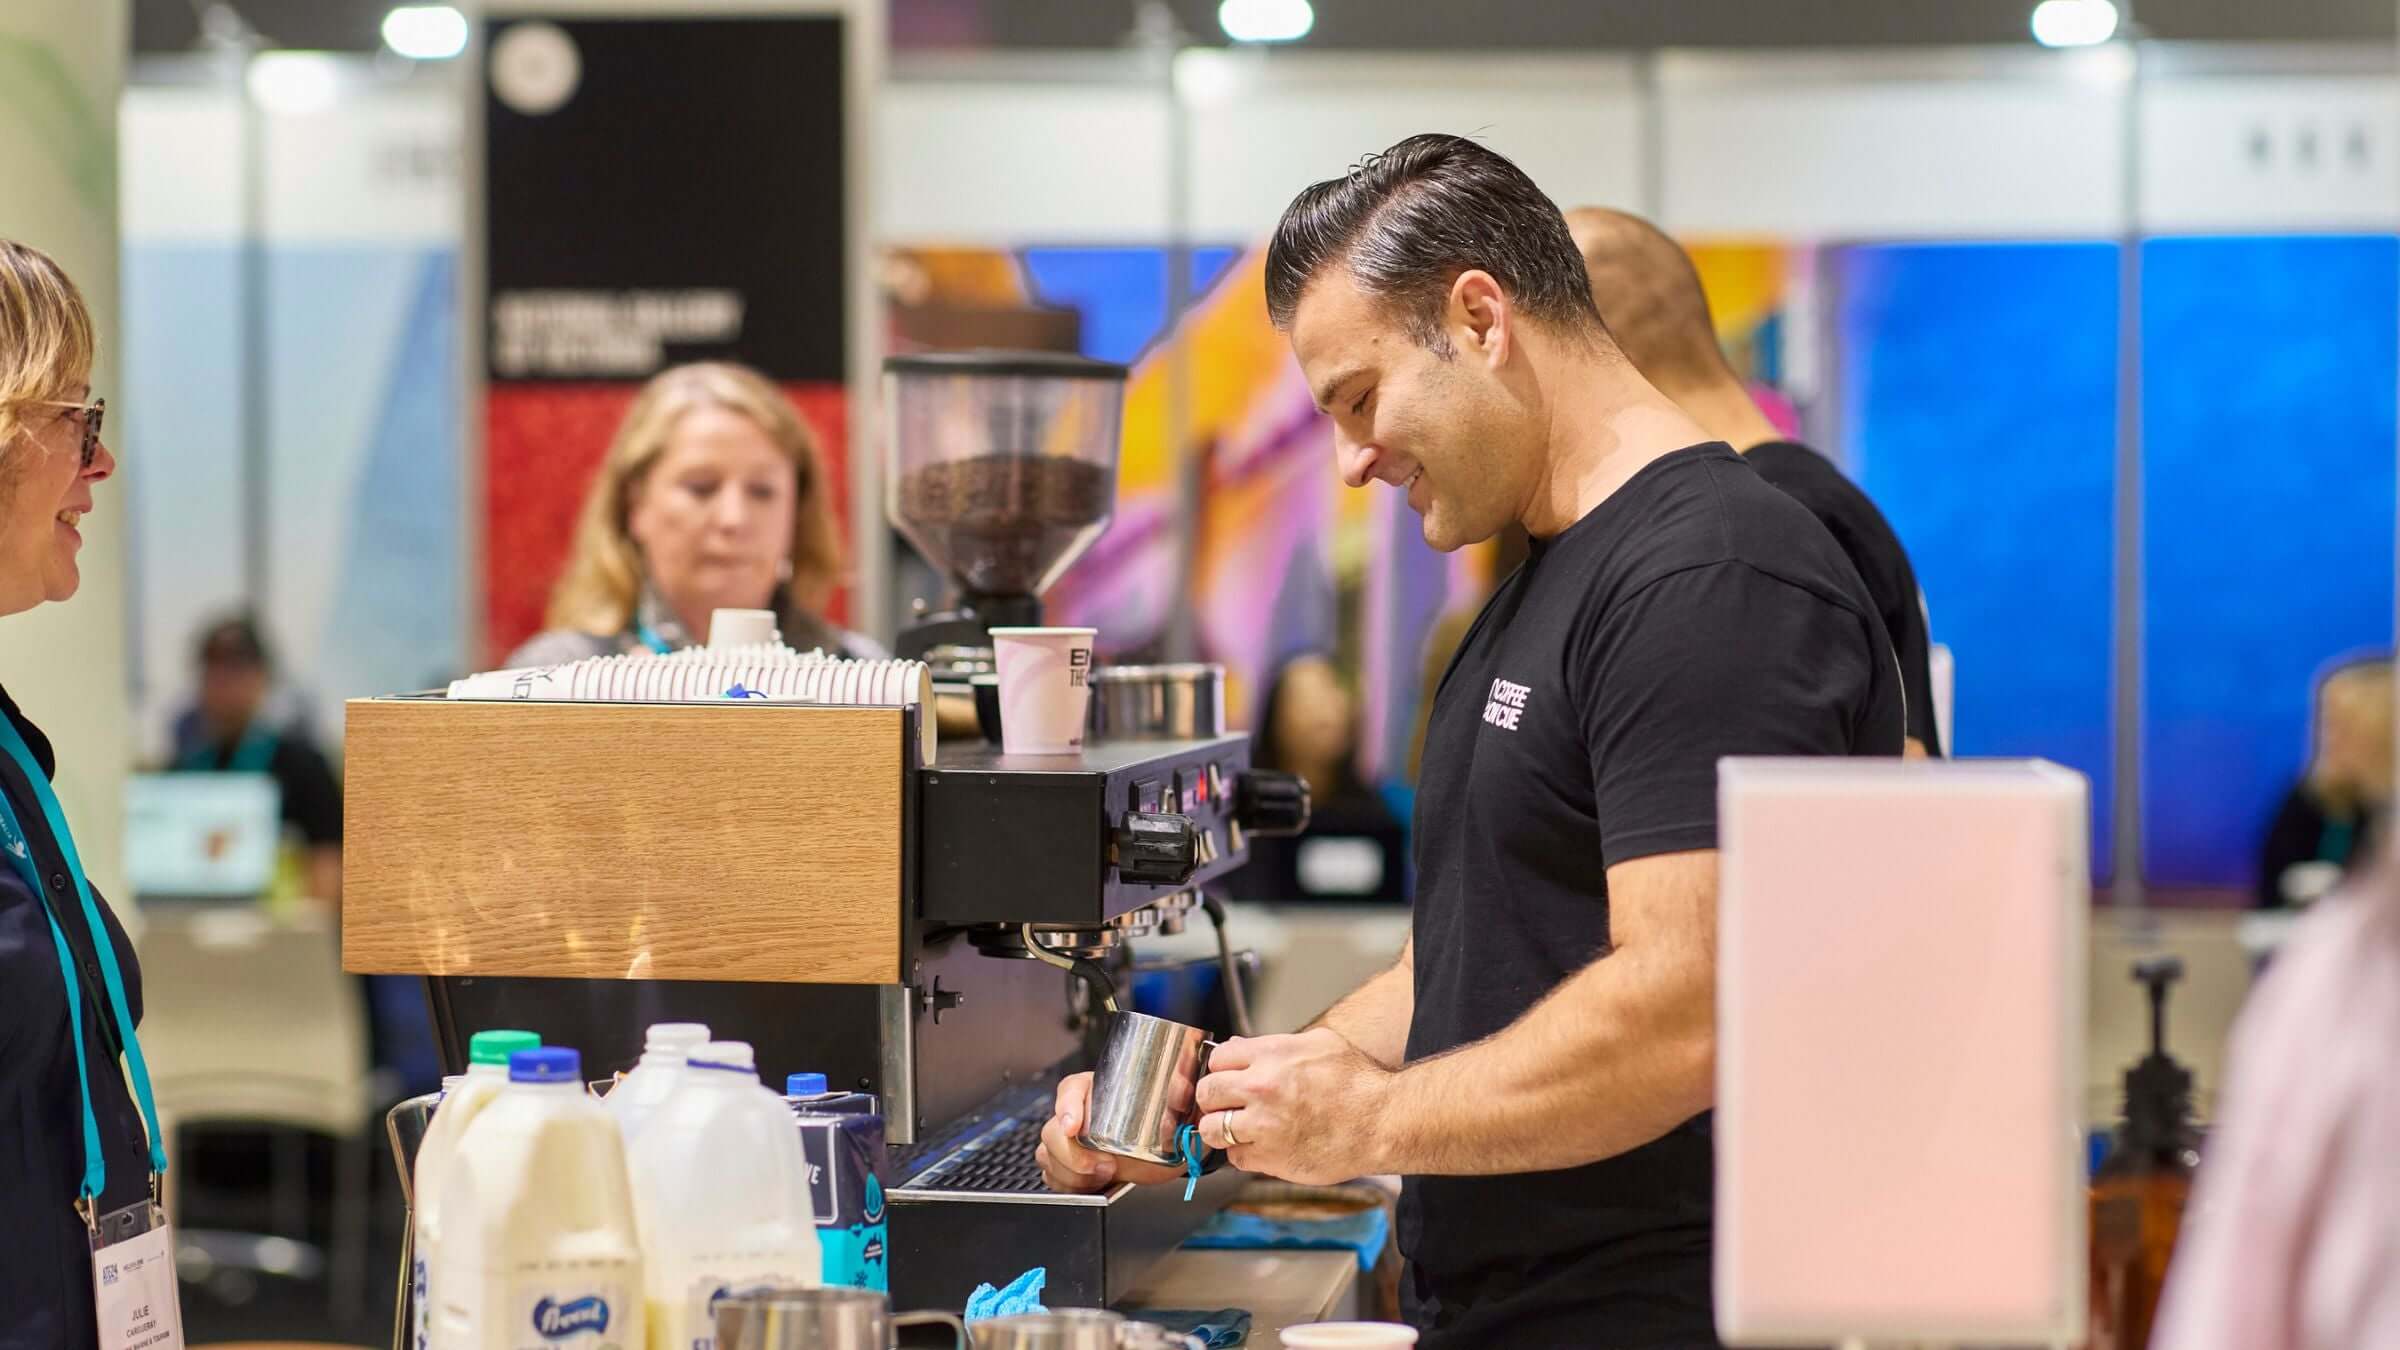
[[2074, 23], [425, 32], [1266, 20]]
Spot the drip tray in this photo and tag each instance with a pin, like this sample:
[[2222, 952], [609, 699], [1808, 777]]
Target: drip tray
[[974, 1210]]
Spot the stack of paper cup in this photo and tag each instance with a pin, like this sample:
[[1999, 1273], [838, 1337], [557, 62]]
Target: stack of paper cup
[[749, 653], [661, 680], [1045, 688], [751, 673]]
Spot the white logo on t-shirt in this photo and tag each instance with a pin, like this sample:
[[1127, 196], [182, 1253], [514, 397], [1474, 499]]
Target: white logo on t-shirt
[[1507, 704]]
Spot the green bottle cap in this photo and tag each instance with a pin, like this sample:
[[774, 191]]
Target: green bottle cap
[[494, 1047]]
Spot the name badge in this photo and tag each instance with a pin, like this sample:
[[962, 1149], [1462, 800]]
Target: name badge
[[133, 1280]]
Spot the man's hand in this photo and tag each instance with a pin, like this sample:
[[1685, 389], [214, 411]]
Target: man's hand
[[1303, 1108], [1070, 1167]]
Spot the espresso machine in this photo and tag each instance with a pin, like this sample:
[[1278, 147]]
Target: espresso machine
[[935, 933]]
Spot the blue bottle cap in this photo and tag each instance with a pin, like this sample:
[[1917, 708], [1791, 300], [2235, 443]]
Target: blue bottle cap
[[550, 1064], [804, 1085]]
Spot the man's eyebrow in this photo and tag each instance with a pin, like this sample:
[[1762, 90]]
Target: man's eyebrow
[[1333, 386]]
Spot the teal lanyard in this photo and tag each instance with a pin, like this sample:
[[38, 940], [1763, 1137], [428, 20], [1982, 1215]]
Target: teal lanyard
[[95, 1162], [642, 633], [254, 753], [2336, 842]]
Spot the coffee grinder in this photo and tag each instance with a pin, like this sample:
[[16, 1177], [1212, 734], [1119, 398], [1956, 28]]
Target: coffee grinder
[[1002, 470]]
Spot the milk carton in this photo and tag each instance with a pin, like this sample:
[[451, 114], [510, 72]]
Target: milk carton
[[463, 1099], [538, 1247], [842, 1135], [655, 1077], [721, 1196]]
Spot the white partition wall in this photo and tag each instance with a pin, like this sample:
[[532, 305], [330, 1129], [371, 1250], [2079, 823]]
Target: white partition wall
[[62, 63], [1981, 142]]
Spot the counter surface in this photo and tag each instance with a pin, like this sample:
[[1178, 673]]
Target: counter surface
[[1279, 1288]]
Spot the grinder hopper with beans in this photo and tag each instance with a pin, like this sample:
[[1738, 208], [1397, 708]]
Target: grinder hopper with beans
[[1002, 470]]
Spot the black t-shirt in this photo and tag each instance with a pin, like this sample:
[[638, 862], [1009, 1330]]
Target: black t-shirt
[[1855, 523], [2305, 829], [1696, 613], [312, 798]]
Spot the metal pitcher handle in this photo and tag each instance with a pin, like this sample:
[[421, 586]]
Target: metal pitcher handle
[[957, 1325]]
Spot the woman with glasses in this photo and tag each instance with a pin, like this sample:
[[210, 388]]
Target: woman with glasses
[[713, 496], [75, 1159]]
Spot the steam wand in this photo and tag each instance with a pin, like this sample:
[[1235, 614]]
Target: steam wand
[[1087, 971], [1235, 998]]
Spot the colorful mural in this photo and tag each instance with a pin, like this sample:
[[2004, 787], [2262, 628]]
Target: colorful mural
[[1285, 560]]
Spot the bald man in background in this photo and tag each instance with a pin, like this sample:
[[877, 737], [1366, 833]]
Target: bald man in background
[[1650, 295]]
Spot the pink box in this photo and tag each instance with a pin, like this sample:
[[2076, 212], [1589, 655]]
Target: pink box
[[1900, 1033]]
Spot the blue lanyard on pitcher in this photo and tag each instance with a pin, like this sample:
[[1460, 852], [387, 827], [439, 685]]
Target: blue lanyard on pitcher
[[20, 854], [648, 637]]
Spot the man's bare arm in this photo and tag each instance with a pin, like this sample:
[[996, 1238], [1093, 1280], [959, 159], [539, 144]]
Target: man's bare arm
[[1375, 1016], [1617, 1055]]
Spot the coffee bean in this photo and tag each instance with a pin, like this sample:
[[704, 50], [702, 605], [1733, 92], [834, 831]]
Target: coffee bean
[[1003, 520]]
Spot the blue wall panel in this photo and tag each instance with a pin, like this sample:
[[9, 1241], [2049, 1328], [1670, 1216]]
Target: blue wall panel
[[1977, 404], [1121, 292], [2267, 490]]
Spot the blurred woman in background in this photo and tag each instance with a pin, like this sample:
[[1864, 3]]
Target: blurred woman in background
[[2330, 821], [1353, 849], [713, 496], [71, 1140]]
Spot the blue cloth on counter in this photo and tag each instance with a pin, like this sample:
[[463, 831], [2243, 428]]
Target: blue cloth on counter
[[1363, 1233], [1023, 1295], [1223, 1329]]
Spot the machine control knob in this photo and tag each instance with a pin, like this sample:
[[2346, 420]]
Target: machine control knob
[[1157, 849], [1271, 803]]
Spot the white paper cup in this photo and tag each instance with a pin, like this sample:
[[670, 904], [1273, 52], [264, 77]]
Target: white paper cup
[[735, 627], [1045, 688], [1350, 1335]]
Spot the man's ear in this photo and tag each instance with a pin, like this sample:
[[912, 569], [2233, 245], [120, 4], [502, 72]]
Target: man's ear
[[1480, 319]]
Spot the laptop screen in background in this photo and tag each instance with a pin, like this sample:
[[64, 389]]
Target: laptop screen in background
[[202, 835]]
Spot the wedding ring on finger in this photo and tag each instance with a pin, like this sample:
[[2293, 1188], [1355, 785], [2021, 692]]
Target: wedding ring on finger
[[1225, 1123]]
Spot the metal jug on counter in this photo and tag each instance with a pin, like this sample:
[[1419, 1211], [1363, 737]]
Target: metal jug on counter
[[1143, 1092], [1077, 1329], [405, 1125], [831, 1318], [1184, 701]]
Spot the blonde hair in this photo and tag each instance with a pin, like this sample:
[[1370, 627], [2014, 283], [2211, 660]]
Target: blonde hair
[[602, 584], [45, 338], [2355, 702]]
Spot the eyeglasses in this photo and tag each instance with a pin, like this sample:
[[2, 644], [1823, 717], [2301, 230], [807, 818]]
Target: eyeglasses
[[92, 412]]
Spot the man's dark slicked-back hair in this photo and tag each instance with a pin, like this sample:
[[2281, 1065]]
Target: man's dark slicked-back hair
[[1408, 221]]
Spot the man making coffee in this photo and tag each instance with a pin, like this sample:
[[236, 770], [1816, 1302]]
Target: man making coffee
[[1539, 1064]]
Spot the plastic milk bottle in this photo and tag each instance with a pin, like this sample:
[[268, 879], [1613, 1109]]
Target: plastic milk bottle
[[720, 1185], [538, 1245], [487, 1074]]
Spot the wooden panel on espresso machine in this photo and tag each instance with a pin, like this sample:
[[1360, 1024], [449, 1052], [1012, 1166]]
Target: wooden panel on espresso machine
[[624, 840]]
